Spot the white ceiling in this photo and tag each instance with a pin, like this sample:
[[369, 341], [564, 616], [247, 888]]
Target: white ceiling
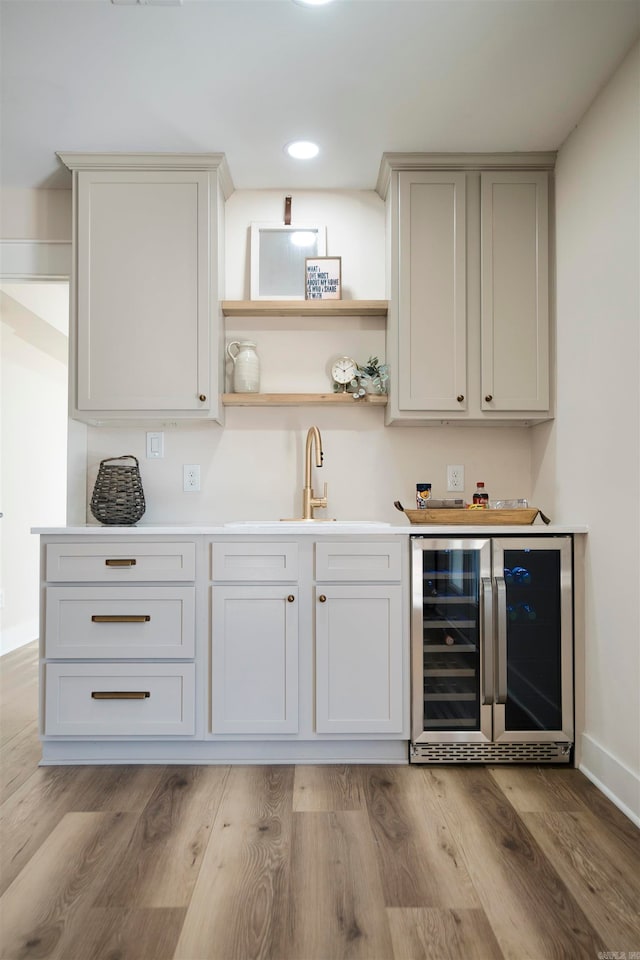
[[243, 77]]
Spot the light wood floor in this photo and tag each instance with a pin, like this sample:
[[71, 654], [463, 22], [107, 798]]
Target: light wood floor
[[305, 863]]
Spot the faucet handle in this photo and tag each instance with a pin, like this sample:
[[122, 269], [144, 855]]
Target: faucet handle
[[320, 501]]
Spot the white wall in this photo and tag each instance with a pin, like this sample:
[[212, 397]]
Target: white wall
[[33, 449], [586, 464], [253, 467]]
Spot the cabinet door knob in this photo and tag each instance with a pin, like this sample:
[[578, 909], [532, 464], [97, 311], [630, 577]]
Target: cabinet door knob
[[291, 598], [460, 397], [322, 598], [202, 397], [489, 397]]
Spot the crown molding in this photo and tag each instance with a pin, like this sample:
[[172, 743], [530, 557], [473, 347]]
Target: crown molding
[[459, 161], [152, 161]]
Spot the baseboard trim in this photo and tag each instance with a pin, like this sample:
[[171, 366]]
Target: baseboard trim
[[620, 784], [96, 752]]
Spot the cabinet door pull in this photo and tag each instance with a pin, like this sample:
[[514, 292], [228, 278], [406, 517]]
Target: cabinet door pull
[[501, 650], [487, 640], [290, 598], [489, 397], [460, 397], [202, 397], [120, 618], [120, 562], [120, 694], [322, 598]]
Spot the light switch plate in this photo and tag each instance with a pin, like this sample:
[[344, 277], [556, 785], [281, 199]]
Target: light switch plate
[[155, 445]]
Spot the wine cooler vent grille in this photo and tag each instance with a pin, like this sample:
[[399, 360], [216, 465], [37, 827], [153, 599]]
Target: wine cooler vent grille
[[490, 753]]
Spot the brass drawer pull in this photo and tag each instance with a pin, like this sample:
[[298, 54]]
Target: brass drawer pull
[[460, 397], [322, 598], [120, 618], [120, 562], [291, 598], [489, 398], [202, 397], [120, 694]]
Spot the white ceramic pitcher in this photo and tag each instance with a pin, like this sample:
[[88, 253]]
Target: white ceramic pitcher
[[246, 366]]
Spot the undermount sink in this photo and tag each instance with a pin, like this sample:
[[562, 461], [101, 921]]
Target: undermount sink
[[316, 520]]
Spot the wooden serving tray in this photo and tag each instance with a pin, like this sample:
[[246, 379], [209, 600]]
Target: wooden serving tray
[[522, 516]]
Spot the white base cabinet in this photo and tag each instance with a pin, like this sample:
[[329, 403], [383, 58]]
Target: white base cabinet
[[358, 658], [254, 677], [310, 637], [224, 649]]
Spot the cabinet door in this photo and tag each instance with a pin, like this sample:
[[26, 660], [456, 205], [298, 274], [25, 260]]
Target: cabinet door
[[255, 659], [432, 291], [534, 640], [143, 291], [359, 639], [515, 291]]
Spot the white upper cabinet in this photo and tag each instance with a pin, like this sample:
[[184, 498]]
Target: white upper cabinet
[[468, 326], [148, 256], [432, 315], [515, 291]]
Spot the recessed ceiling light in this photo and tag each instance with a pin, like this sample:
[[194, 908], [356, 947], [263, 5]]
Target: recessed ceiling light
[[302, 149], [312, 3]]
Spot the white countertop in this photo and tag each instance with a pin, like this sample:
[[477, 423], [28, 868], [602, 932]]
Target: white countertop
[[310, 528]]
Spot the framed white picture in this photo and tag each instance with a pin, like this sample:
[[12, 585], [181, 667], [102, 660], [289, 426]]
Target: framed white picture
[[324, 278], [278, 255]]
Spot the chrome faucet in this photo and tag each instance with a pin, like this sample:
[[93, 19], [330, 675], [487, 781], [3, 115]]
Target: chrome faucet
[[309, 501]]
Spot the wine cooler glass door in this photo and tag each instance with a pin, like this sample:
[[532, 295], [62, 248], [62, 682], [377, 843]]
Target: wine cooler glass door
[[452, 611], [534, 696]]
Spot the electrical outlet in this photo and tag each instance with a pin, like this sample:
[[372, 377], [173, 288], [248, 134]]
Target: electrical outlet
[[191, 477], [455, 478]]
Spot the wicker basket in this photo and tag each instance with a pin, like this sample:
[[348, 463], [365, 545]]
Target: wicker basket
[[118, 498]]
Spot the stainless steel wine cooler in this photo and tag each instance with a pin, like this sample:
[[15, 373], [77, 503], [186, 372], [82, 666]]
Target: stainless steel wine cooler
[[492, 650]]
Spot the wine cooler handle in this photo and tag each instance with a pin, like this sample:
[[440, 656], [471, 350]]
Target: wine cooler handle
[[487, 640], [501, 672]]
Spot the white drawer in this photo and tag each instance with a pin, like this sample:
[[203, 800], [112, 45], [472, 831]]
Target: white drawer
[[122, 622], [254, 561], [133, 699], [360, 561], [122, 562]]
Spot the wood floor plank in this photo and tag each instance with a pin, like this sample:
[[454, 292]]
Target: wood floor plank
[[53, 892], [536, 789], [418, 855], [328, 788], [18, 691], [598, 873], [530, 909], [35, 809], [162, 861], [336, 904], [422, 933], [603, 810], [238, 907], [19, 758], [146, 934]]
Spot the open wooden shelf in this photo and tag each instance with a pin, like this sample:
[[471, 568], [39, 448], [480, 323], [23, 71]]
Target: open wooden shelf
[[305, 308], [300, 399]]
